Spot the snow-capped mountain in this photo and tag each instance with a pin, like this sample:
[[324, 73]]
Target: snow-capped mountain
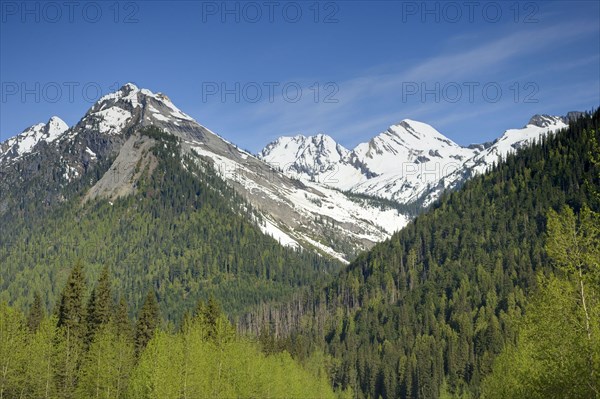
[[410, 162], [305, 214], [24, 142], [306, 156], [514, 139], [298, 186]]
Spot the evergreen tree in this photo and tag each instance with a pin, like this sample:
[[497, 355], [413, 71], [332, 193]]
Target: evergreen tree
[[99, 309], [148, 321], [71, 314], [121, 319], [212, 314], [71, 321], [36, 313]]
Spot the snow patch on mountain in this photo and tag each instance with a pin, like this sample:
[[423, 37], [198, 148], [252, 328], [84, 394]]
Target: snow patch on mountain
[[307, 213], [112, 120], [514, 139], [270, 229]]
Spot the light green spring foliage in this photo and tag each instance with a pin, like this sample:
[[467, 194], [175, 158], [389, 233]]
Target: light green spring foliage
[[557, 354], [189, 364], [105, 370], [12, 335], [550, 359], [205, 359], [28, 360]]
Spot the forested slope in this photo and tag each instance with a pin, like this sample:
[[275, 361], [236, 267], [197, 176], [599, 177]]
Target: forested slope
[[425, 313], [183, 232]]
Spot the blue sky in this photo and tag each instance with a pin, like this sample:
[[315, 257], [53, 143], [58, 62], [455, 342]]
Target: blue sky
[[253, 71]]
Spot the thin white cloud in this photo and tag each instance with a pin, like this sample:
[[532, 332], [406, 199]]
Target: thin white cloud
[[381, 90]]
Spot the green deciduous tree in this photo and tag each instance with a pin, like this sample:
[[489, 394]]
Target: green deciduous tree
[[13, 339], [557, 353], [41, 361], [550, 358], [105, 370]]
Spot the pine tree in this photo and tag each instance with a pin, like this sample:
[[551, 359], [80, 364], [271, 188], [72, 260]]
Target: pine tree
[[121, 320], [148, 321], [212, 313], [103, 308], [36, 313], [99, 305], [71, 314], [71, 320]]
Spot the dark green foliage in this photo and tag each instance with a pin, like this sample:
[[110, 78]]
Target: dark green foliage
[[148, 321], [411, 210], [71, 313], [121, 319], [159, 135], [36, 313], [100, 305], [434, 305]]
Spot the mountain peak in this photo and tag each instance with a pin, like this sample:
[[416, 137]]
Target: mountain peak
[[304, 155], [411, 134], [408, 161], [25, 142], [129, 105], [544, 120], [128, 87], [55, 126], [409, 122], [55, 119]]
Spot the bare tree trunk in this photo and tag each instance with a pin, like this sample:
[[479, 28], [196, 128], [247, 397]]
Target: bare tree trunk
[[588, 330]]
